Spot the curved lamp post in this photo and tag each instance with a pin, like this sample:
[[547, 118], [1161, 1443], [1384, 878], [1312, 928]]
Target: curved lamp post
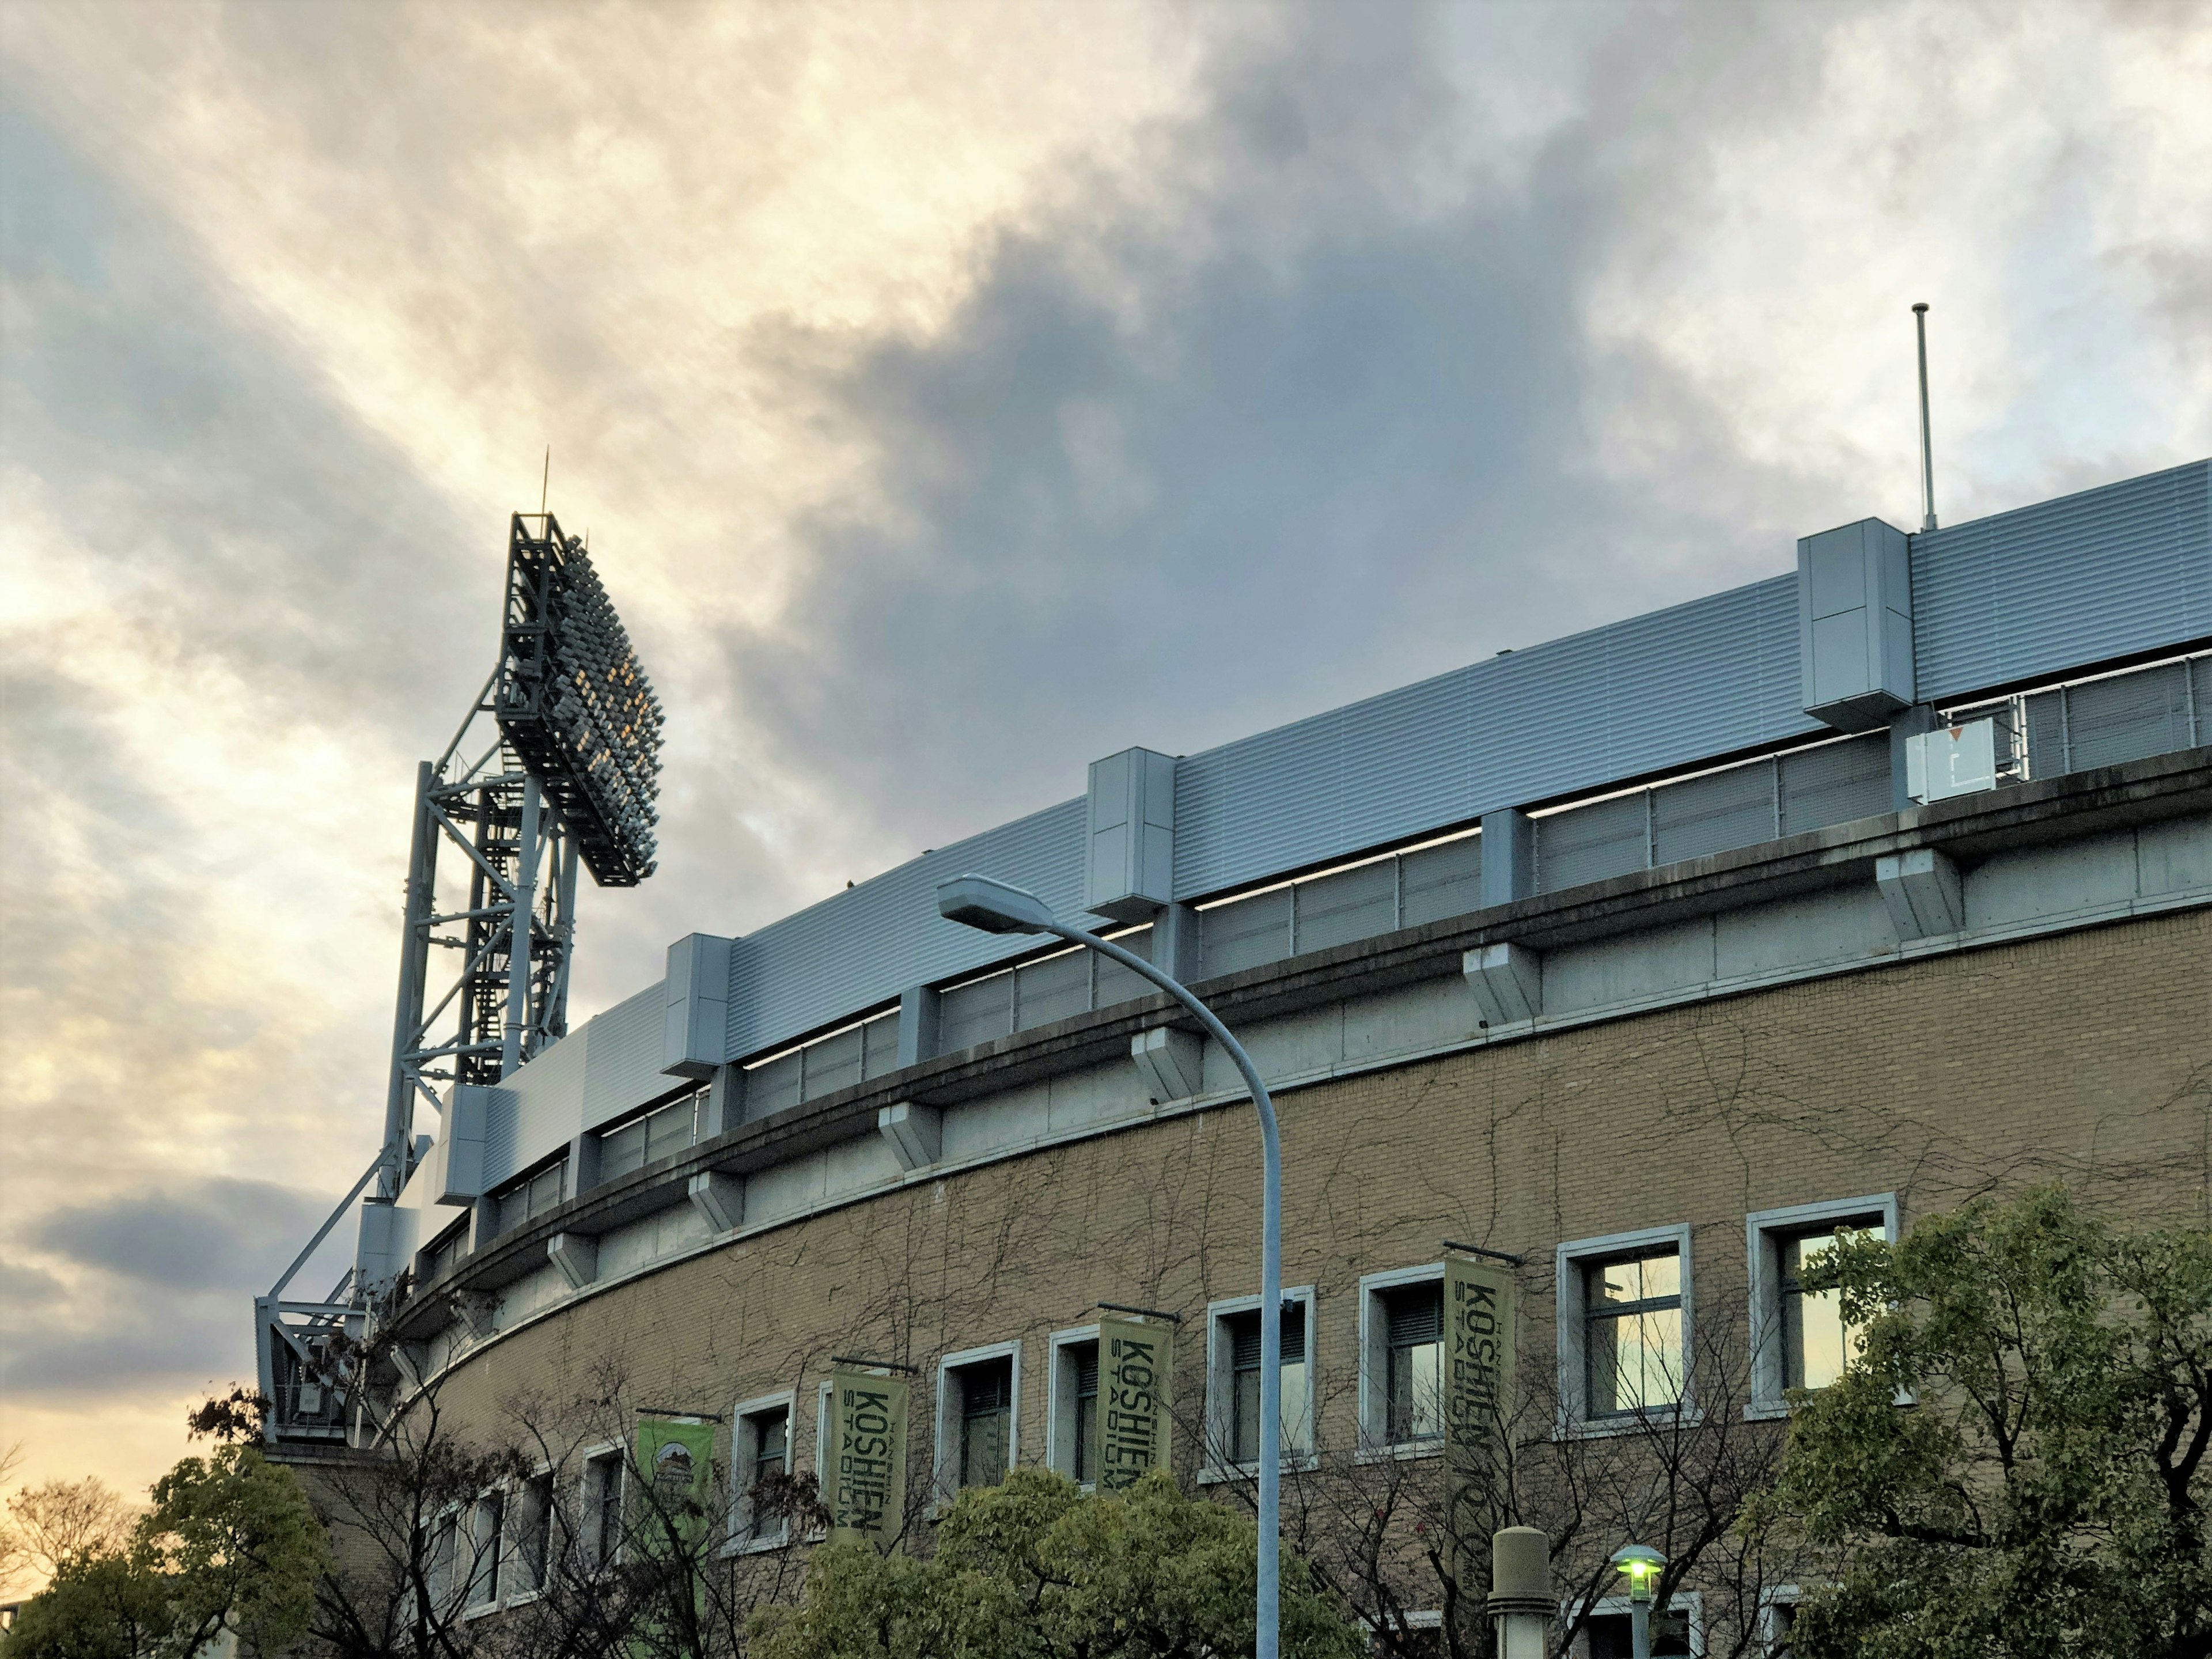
[[996, 908], [1642, 1564]]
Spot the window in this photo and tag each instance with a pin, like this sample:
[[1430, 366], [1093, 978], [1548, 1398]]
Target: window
[[1798, 1339], [525, 1199], [533, 1530], [602, 1507], [487, 1538], [1779, 1617], [1412, 1636], [1633, 1346], [444, 1561], [1233, 1381], [661, 1132], [1074, 1449], [761, 1447], [1676, 1632], [977, 1391], [1625, 1327], [1401, 1361]]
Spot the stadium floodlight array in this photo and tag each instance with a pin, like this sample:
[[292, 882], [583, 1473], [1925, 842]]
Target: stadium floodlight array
[[575, 703]]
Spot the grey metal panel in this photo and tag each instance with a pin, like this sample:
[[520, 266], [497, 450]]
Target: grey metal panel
[[538, 1106], [833, 1064], [1835, 783], [1713, 814], [1596, 842], [772, 1087], [1437, 882], [2064, 584], [1655, 691], [869, 943], [2046, 734], [2128, 717], [2200, 698], [1248, 933], [622, 1057], [1352, 904], [976, 1013], [882, 1044], [1056, 989], [1111, 983]]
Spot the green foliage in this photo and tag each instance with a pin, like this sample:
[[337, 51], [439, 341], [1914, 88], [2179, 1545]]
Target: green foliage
[[2044, 1493], [230, 1542], [1034, 1569]]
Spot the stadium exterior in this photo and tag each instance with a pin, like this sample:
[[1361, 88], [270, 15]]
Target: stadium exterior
[[1644, 957]]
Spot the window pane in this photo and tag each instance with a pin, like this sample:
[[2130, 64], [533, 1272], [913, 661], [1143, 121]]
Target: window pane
[[1084, 1360], [1816, 1344], [1244, 1429], [1297, 1400], [1635, 1361], [987, 1418]]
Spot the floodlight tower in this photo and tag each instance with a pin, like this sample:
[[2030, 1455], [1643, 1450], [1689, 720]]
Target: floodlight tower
[[556, 763], [567, 768]]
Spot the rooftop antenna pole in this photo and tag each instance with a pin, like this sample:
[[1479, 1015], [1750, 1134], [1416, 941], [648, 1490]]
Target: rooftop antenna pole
[[545, 483], [1927, 449]]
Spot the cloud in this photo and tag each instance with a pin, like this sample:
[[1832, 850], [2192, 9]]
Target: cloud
[[954, 396]]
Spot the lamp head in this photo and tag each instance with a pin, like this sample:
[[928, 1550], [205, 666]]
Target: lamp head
[[1642, 1564], [993, 906]]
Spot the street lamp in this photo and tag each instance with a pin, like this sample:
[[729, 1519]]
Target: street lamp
[[1641, 1563], [1520, 1591], [995, 908]]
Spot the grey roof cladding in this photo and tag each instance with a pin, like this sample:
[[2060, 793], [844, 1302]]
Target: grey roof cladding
[[1657, 691], [865, 945], [2064, 584], [2036, 592]]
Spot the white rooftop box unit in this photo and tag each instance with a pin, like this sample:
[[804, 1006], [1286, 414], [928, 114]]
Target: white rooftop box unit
[[1958, 760]]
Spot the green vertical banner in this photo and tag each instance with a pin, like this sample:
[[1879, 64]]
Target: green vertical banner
[[864, 1464], [1477, 1399], [1136, 1364], [675, 1458]]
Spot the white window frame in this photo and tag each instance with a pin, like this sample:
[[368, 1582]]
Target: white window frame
[[1425, 1619], [1060, 1400], [472, 1518], [1374, 1442], [1688, 1601], [823, 1437], [1221, 1385], [544, 1471], [1575, 1421], [1764, 1231], [449, 1598], [744, 1539], [1770, 1625], [588, 1496], [948, 1421]]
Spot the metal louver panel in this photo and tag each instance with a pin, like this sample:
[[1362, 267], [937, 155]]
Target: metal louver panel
[[772, 1087], [1713, 814], [1248, 933], [2200, 698], [1244, 1337], [1352, 904], [2054, 586], [1835, 783], [1114, 983], [976, 1013], [1438, 883], [1596, 842], [2046, 734], [2128, 717], [1052, 989], [1413, 1315], [832, 1063], [880, 1047]]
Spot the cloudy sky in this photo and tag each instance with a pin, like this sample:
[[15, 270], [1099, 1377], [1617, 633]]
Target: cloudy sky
[[954, 393]]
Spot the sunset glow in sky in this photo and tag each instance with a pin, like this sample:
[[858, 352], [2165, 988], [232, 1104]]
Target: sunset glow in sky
[[954, 393]]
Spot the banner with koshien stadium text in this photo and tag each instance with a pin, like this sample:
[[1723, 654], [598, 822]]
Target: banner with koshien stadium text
[[866, 1463], [1478, 1384], [1136, 1362]]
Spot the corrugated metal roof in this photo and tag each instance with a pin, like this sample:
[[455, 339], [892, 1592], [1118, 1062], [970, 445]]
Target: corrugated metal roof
[[2061, 585], [2034, 592]]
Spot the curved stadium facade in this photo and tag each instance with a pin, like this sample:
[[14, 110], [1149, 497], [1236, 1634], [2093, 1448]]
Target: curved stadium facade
[[1646, 957]]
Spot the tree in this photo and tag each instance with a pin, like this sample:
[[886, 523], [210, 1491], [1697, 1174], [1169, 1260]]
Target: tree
[[2044, 1491], [1032, 1569], [230, 1543], [49, 1523]]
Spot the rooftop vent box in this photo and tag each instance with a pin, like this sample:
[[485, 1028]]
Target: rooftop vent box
[[1959, 760], [1131, 873], [1854, 624]]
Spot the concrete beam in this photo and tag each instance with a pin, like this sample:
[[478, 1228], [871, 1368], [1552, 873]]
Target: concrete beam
[[720, 1198], [917, 1025], [1508, 982], [1171, 1062], [915, 1133], [576, 1256], [1922, 891]]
